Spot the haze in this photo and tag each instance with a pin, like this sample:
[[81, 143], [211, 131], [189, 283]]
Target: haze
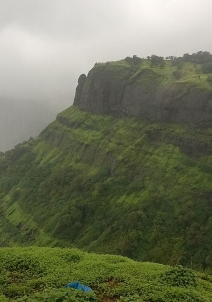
[[46, 44]]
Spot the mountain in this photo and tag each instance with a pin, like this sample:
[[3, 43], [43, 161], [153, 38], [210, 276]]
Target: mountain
[[119, 179], [130, 88], [20, 120]]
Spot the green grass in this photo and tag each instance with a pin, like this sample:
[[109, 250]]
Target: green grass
[[39, 274], [190, 73]]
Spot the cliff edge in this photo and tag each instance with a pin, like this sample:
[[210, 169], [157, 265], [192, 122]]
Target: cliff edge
[[137, 89]]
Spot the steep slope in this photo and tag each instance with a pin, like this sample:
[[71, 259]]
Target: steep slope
[[136, 88], [106, 184]]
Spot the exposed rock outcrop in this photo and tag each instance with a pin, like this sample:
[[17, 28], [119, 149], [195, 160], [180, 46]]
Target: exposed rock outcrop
[[125, 90], [79, 88]]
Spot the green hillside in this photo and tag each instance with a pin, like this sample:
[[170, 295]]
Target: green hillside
[[39, 274], [111, 185], [126, 170]]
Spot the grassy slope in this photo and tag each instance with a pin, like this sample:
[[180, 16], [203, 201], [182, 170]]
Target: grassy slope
[[112, 185], [39, 274], [190, 73]]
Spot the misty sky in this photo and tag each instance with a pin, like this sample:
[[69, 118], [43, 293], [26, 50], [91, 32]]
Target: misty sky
[[46, 44]]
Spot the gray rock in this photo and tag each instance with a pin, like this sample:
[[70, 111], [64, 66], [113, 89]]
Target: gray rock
[[122, 90]]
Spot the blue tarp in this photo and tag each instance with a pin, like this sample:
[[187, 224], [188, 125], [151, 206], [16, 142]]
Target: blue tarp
[[77, 285]]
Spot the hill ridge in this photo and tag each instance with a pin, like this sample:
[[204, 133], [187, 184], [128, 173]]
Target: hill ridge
[[123, 185]]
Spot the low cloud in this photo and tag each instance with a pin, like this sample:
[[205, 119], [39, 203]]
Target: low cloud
[[46, 45]]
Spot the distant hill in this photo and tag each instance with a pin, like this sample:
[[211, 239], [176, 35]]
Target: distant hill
[[20, 120], [107, 180]]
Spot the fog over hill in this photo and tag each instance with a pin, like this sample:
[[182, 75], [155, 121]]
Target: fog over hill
[[46, 45], [20, 120]]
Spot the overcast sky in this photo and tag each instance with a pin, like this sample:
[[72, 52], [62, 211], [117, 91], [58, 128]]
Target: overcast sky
[[46, 44]]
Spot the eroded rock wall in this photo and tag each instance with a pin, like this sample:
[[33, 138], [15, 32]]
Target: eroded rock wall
[[120, 90]]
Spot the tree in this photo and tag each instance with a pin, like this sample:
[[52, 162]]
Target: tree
[[156, 60], [207, 67], [177, 74]]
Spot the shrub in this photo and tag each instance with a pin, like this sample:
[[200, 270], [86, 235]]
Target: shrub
[[180, 276], [207, 67], [209, 79], [177, 74]]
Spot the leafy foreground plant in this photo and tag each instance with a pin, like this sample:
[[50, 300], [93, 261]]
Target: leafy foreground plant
[[180, 276], [39, 274], [52, 294]]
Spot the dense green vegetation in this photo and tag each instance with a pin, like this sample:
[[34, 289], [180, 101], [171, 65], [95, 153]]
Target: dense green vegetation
[[202, 58], [123, 186], [192, 69], [39, 274]]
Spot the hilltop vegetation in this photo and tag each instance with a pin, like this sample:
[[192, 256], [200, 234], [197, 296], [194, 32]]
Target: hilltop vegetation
[[39, 274]]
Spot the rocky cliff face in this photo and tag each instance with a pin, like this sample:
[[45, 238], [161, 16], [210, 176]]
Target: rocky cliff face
[[142, 91]]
